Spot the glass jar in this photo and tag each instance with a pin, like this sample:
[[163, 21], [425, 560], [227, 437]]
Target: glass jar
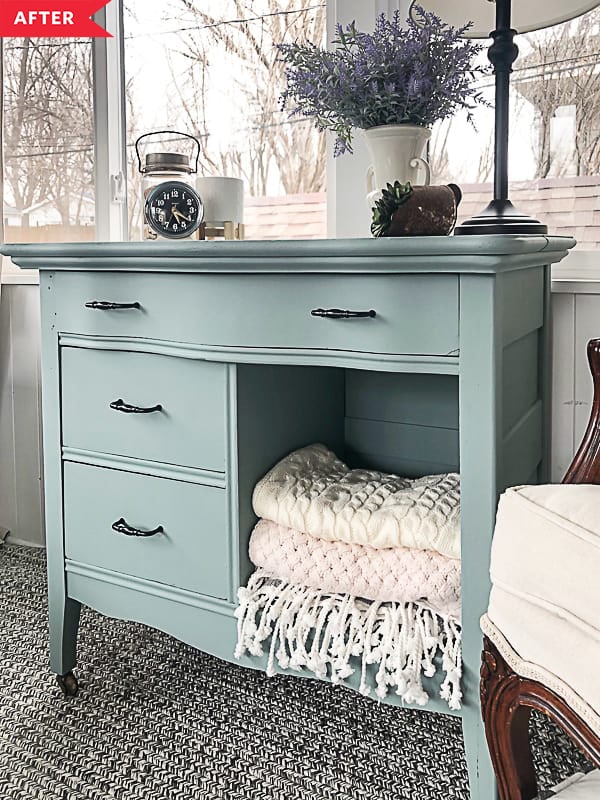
[[160, 168]]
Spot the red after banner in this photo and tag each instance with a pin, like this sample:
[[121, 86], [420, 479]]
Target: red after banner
[[50, 18]]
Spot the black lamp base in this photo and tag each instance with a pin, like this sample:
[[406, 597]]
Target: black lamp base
[[500, 216]]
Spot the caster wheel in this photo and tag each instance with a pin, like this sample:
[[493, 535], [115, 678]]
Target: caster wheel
[[68, 684]]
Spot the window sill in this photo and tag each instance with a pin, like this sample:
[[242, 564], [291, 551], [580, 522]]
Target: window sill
[[579, 273], [17, 279], [10, 274]]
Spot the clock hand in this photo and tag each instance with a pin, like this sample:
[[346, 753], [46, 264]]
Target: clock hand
[[180, 214], [173, 212]]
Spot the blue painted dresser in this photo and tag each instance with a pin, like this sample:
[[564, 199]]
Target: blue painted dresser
[[176, 374]]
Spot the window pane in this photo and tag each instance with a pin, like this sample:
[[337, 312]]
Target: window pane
[[48, 140], [554, 144], [210, 69]]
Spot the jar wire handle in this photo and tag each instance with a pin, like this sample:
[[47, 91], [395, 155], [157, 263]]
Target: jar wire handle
[[156, 133]]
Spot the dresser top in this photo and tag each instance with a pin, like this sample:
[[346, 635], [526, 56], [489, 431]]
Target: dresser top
[[428, 254]]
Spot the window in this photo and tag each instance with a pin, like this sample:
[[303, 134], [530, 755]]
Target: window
[[48, 140], [207, 69], [211, 70]]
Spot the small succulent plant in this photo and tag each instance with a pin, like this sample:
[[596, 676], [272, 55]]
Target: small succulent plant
[[392, 197]]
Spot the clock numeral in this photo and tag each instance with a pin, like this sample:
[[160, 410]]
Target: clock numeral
[[192, 209], [184, 225], [190, 201], [160, 202], [166, 195], [175, 226], [175, 193]]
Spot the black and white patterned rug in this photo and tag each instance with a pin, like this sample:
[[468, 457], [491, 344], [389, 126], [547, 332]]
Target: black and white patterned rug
[[157, 720]]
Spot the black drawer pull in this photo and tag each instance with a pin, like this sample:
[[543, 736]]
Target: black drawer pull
[[338, 313], [120, 526], [121, 405], [105, 305]]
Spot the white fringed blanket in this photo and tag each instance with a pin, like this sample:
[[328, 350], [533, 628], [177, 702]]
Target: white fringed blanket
[[399, 574], [331, 635], [357, 570], [314, 492]]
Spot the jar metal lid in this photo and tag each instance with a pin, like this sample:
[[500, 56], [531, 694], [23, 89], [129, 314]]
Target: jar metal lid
[[167, 162]]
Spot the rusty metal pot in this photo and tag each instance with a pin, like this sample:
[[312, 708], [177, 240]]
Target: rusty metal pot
[[429, 211]]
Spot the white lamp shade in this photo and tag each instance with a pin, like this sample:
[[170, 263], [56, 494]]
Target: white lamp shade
[[527, 15]]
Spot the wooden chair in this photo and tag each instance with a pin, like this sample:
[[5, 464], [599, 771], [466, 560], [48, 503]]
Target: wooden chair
[[508, 691]]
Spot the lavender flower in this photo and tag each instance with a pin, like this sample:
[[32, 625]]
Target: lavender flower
[[416, 74]]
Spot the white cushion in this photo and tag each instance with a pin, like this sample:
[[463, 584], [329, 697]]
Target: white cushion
[[541, 637], [545, 570], [533, 670]]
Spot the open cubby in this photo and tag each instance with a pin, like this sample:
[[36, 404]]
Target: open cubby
[[394, 422]]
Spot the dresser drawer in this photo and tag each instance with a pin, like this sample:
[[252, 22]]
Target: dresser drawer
[[415, 313], [189, 429], [192, 550]]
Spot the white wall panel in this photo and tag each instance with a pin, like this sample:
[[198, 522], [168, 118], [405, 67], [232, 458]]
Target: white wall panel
[[20, 428], [576, 307], [563, 384], [587, 326], [8, 500]]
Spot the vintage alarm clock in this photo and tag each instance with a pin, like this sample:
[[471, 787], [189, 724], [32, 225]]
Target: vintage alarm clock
[[172, 208]]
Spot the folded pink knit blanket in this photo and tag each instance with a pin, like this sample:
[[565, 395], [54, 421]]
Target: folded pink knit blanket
[[400, 574]]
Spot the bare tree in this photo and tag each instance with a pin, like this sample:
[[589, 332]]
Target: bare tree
[[485, 162], [438, 153], [48, 125], [441, 169], [561, 70], [271, 146], [134, 177]]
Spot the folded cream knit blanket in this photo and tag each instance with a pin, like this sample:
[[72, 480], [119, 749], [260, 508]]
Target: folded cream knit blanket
[[401, 574], [333, 635], [314, 492]]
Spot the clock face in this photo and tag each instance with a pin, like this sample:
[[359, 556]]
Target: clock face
[[173, 209]]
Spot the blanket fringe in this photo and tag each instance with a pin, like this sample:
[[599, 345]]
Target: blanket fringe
[[322, 632]]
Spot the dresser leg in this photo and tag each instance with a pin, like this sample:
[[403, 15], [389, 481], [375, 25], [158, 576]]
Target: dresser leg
[[68, 683], [482, 781], [64, 624]]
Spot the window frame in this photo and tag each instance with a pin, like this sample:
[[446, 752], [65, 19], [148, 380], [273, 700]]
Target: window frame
[[110, 144], [346, 175], [110, 131]]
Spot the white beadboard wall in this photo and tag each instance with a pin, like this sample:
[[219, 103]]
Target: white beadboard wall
[[21, 504], [576, 310], [576, 319]]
